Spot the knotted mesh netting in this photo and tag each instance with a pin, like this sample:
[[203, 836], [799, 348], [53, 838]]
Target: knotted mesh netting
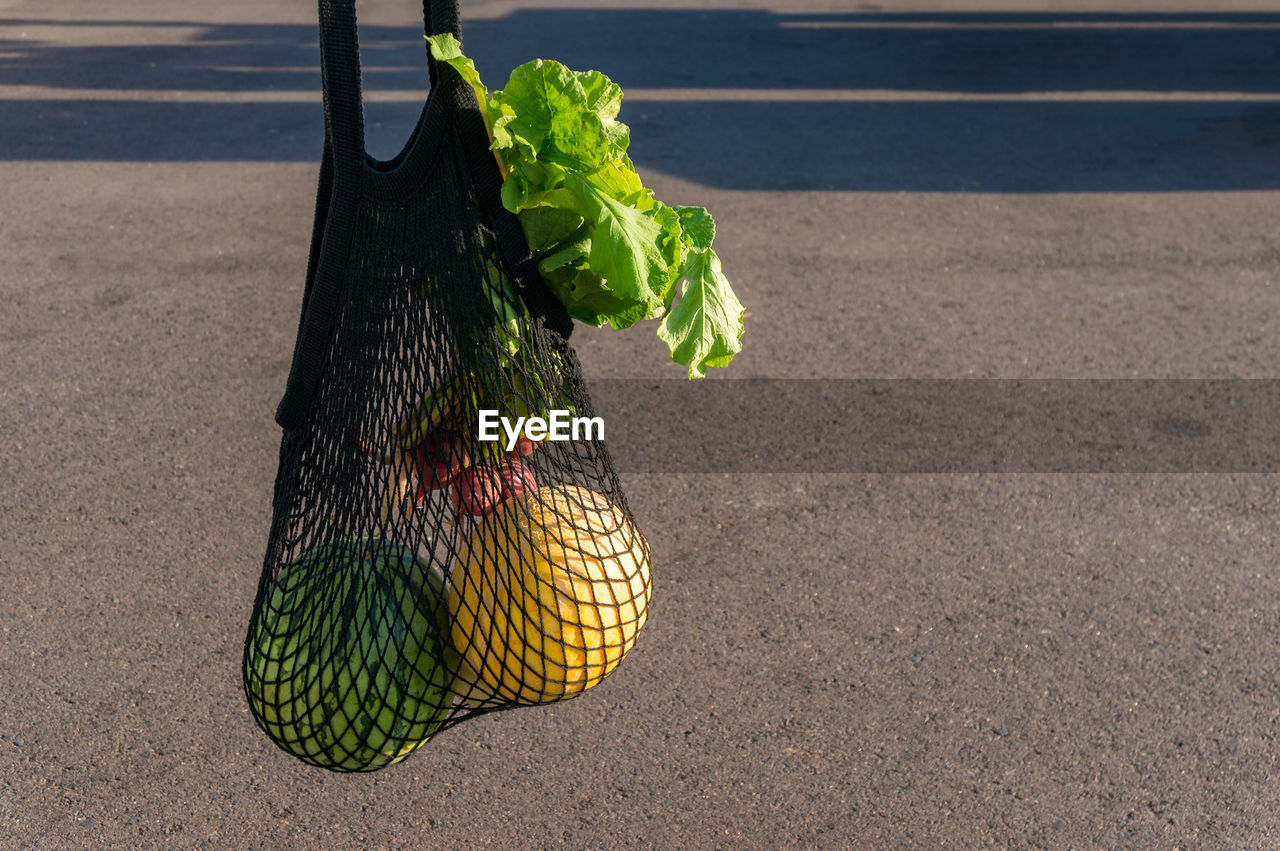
[[416, 575]]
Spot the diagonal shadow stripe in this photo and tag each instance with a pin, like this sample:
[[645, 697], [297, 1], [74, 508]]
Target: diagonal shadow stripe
[[988, 146], [965, 133], [941, 425]]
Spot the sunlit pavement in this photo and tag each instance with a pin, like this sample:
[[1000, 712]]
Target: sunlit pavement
[[850, 654]]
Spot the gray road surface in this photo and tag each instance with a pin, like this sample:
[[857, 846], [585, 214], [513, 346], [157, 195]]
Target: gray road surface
[[904, 190]]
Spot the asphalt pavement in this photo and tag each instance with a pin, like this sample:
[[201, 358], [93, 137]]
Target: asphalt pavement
[[945, 651]]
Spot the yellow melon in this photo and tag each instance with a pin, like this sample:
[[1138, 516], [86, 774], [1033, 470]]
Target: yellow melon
[[546, 597]]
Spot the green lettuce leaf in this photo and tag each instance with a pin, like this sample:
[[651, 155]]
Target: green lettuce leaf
[[606, 247], [627, 252], [704, 328], [446, 48], [698, 226], [544, 227], [561, 115]]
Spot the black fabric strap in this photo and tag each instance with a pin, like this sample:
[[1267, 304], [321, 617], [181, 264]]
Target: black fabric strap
[[341, 178], [439, 17], [344, 117], [345, 179], [340, 72], [340, 76]]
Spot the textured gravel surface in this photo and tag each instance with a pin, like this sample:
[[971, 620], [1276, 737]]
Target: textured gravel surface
[[834, 659]]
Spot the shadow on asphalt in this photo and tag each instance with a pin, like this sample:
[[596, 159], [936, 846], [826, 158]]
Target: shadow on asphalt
[[1048, 102]]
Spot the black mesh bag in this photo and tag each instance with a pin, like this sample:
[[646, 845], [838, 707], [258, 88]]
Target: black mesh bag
[[416, 575]]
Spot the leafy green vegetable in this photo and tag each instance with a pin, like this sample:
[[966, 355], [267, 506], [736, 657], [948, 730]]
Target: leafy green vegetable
[[700, 324], [610, 251]]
